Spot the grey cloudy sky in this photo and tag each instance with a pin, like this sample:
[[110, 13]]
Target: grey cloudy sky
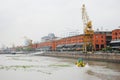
[[37, 18]]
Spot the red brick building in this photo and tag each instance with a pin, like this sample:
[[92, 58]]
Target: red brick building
[[116, 34], [101, 39], [115, 43]]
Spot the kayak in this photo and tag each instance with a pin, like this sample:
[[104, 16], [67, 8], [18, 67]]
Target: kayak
[[80, 63]]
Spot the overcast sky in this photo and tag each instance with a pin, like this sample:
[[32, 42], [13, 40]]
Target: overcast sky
[[38, 18]]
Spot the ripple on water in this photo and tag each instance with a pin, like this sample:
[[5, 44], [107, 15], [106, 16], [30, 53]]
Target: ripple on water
[[103, 73]]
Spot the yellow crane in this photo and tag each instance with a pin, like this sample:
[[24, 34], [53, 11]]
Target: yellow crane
[[88, 32]]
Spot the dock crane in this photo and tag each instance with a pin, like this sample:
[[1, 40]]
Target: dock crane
[[88, 32]]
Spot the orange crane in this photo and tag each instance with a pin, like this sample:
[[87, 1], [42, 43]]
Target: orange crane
[[88, 32]]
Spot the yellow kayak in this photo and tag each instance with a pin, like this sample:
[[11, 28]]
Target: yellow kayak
[[80, 64]]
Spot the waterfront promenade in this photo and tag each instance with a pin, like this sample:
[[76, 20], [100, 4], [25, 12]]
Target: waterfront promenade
[[107, 57], [99, 56]]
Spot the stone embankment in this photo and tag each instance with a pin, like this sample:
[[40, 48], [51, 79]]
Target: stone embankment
[[107, 57]]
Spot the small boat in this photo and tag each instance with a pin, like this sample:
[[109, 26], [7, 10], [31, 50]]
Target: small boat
[[80, 63]]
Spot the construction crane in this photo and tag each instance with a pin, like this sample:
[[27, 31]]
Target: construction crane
[[88, 32]]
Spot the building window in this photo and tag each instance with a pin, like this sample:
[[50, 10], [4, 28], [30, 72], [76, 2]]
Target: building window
[[102, 41], [97, 46], [96, 36], [102, 46], [96, 40]]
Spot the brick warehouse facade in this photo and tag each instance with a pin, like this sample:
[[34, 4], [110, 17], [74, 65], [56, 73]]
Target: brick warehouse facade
[[115, 43], [101, 39], [116, 34]]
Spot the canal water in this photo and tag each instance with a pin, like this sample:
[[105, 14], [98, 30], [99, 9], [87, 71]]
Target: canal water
[[31, 67]]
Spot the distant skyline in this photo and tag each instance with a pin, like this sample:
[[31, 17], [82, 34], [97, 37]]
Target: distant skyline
[[37, 18]]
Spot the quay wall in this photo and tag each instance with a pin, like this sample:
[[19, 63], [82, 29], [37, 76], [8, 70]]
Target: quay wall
[[107, 57]]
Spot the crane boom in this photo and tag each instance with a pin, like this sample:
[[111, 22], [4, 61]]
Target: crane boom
[[88, 32]]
